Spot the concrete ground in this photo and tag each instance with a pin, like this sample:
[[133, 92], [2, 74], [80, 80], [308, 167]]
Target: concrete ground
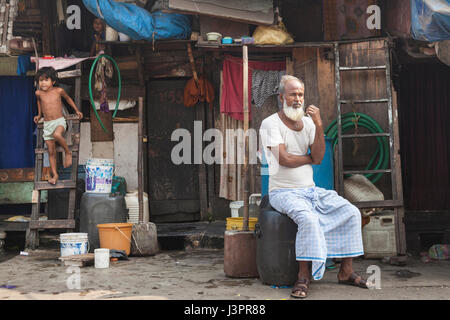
[[195, 272]]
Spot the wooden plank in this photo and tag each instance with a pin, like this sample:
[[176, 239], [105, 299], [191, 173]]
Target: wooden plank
[[46, 27], [58, 149], [400, 212], [140, 167], [202, 179], [18, 193], [220, 11], [69, 74], [52, 224], [379, 204], [5, 24], [326, 88], [13, 226], [61, 184], [245, 177], [97, 132]]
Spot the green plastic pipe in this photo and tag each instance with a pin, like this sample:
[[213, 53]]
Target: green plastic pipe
[[90, 87], [382, 152]]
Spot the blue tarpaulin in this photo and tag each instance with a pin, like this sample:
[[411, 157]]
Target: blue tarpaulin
[[430, 20], [138, 23], [17, 109]]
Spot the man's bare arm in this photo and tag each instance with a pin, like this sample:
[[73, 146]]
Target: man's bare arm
[[318, 146], [289, 160], [71, 103]]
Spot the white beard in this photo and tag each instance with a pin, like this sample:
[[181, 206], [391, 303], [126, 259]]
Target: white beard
[[292, 113]]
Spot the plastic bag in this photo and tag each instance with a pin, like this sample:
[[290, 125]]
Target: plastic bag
[[274, 34]]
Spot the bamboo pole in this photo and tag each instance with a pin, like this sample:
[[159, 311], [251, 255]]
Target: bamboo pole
[[246, 126], [140, 161]]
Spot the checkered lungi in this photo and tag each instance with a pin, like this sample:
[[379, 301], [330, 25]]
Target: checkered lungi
[[329, 226]]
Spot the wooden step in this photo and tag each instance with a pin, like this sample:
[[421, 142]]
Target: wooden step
[[73, 148], [71, 117], [362, 68], [379, 204], [62, 184], [52, 224]]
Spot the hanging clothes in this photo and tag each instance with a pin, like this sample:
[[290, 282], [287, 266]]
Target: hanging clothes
[[232, 100], [196, 92], [264, 85]]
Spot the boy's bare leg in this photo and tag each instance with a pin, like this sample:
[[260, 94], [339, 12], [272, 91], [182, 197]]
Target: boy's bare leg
[[58, 135], [52, 159]]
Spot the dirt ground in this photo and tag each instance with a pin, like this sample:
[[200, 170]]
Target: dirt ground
[[197, 274]]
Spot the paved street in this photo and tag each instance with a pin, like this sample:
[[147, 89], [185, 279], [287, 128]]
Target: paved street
[[197, 274]]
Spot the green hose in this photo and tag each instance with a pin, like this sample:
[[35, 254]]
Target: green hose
[[382, 152], [90, 87]]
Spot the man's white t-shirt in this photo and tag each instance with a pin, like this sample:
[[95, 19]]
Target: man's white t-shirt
[[274, 132]]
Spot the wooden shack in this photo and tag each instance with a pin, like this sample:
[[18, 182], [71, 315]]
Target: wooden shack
[[158, 71]]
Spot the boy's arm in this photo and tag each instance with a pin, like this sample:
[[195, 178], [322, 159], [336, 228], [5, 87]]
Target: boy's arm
[[39, 116], [71, 103]]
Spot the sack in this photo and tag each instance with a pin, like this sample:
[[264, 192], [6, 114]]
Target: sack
[[274, 34]]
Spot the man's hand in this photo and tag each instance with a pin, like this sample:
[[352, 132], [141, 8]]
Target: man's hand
[[314, 113], [80, 115], [36, 119]]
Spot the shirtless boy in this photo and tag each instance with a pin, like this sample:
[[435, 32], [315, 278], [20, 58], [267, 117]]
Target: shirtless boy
[[50, 105]]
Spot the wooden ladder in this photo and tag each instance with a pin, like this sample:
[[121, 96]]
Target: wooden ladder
[[32, 233], [396, 203]]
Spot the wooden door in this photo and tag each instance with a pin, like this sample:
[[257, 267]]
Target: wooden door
[[173, 189]]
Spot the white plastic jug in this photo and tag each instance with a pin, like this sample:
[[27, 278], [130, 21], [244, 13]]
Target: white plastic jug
[[132, 202]]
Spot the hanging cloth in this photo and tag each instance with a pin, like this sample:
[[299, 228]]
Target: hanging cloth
[[232, 99], [200, 91], [265, 84]]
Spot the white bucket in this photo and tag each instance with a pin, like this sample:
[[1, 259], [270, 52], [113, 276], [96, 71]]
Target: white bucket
[[73, 244], [99, 175], [234, 206], [101, 257]]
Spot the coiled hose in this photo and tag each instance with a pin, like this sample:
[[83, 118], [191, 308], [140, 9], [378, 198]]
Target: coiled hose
[[90, 87], [363, 120]]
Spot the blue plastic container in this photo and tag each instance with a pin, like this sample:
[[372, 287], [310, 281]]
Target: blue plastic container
[[323, 173]]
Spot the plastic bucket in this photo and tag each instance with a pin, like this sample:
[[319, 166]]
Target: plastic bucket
[[101, 257], [99, 175], [234, 206], [238, 223], [73, 244], [115, 236]]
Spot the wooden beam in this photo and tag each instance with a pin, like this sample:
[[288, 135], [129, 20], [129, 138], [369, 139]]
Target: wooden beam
[[140, 167], [52, 224], [245, 178]]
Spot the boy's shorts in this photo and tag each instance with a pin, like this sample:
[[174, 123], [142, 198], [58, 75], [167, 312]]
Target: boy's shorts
[[50, 127]]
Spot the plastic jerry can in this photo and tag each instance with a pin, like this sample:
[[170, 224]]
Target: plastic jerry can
[[100, 208], [275, 246], [379, 236]]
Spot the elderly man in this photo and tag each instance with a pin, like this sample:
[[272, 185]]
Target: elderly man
[[328, 225]]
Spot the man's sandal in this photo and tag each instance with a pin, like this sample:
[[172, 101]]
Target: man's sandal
[[352, 281], [301, 286]]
